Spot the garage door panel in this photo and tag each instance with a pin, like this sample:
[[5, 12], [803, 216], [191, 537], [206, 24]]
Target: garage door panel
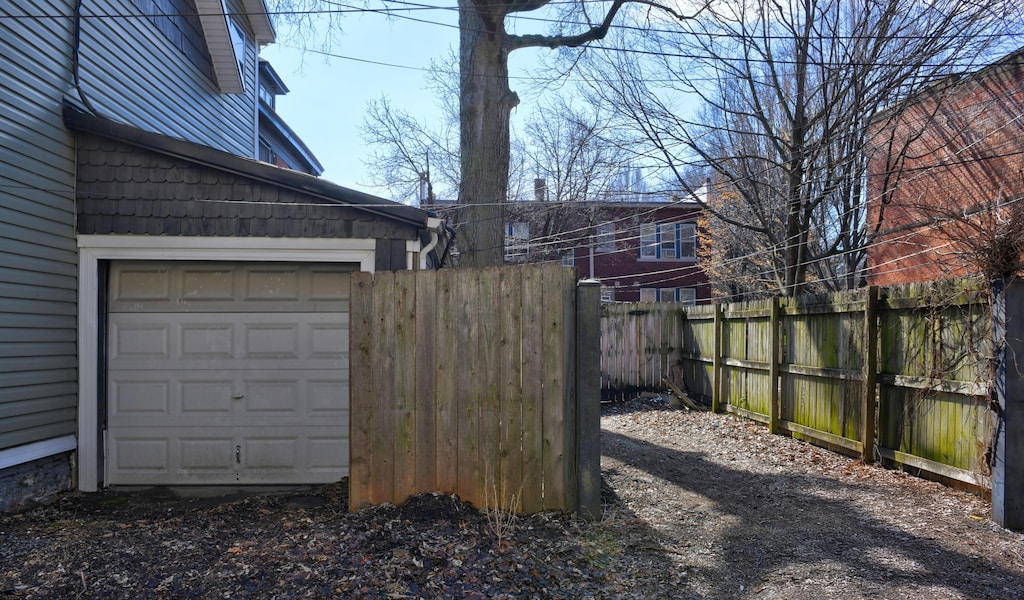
[[140, 397], [307, 340], [272, 340], [328, 341], [213, 453], [204, 398], [206, 340], [140, 340], [329, 395], [221, 373], [226, 287], [329, 454], [191, 456], [190, 397]]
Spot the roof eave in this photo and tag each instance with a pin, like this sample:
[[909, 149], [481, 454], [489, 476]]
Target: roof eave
[[77, 120]]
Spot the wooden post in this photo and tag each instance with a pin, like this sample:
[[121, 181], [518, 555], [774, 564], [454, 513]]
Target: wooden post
[[867, 436], [774, 357], [716, 363], [1008, 464], [588, 399]]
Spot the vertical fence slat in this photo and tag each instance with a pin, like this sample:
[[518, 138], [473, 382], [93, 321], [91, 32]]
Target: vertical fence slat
[[716, 365], [446, 365], [774, 359], [423, 366], [869, 392], [588, 403], [361, 388], [488, 334], [468, 375], [533, 389], [382, 443], [567, 285], [512, 349], [554, 393], [404, 385]]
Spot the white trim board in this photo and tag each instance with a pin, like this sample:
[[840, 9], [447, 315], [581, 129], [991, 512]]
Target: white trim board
[[20, 455], [94, 248]]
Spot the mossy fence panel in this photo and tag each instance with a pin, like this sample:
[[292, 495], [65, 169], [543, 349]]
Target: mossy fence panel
[[900, 373]]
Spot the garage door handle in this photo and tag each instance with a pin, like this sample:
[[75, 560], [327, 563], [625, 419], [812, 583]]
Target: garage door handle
[[238, 396]]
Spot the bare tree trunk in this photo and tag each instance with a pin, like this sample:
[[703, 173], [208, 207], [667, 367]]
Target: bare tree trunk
[[485, 108]]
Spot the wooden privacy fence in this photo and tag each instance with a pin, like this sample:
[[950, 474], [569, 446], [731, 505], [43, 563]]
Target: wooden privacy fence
[[466, 382], [901, 373]]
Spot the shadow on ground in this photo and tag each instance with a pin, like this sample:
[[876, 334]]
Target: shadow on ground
[[824, 531]]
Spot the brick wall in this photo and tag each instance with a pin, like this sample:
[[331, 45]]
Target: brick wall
[[944, 162]]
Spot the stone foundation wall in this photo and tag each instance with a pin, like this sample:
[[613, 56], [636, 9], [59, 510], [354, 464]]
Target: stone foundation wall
[[32, 482]]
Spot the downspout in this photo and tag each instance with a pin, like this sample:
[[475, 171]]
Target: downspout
[[255, 102], [434, 225], [76, 63]]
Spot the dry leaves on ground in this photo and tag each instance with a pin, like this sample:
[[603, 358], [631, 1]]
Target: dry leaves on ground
[[696, 505]]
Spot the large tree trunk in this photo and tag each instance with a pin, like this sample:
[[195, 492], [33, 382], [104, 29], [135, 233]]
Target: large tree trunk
[[486, 103]]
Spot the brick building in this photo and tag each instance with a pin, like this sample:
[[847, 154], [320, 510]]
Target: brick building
[[959, 175], [640, 251]]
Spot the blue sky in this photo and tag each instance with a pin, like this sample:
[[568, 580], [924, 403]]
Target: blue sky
[[328, 95]]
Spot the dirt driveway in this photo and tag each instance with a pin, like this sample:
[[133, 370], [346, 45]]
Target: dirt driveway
[[745, 514], [696, 506]]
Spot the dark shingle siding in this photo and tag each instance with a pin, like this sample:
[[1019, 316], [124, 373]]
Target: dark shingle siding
[[127, 190]]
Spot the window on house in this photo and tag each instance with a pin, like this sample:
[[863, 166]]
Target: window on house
[[178, 22], [668, 241], [687, 240], [569, 259], [517, 239], [685, 295], [237, 44], [266, 153], [606, 237], [267, 96], [648, 240]]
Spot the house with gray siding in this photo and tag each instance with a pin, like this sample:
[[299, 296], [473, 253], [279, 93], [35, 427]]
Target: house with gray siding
[[172, 309]]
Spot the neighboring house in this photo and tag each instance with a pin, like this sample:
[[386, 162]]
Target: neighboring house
[[172, 310], [963, 174], [640, 251], [278, 144]]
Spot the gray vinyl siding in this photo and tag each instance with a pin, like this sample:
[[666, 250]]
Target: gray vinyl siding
[[38, 257], [156, 88]]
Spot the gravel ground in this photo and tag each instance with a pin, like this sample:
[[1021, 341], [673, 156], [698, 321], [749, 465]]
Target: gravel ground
[[696, 505]]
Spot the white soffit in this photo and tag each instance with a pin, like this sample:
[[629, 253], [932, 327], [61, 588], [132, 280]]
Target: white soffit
[[218, 42], [259, 19]]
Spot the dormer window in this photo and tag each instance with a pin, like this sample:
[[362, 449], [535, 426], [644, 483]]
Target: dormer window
[[237, 44], [267, 96]]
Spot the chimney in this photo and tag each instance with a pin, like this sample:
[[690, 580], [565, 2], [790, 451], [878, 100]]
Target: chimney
[[424, 197], [540, 189]]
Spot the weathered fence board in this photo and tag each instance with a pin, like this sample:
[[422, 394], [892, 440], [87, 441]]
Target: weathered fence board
[[822, 365], [465, 382], [922, 349]]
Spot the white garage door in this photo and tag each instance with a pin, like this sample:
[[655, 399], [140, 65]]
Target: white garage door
[[227, 373]]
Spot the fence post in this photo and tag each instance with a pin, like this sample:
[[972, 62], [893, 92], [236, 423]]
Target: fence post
[[867, 438], [1008, 463], [774, 356], [588, 399], [716, 362]]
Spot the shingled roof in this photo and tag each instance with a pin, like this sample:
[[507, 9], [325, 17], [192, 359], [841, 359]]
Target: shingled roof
[[132, 181]]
